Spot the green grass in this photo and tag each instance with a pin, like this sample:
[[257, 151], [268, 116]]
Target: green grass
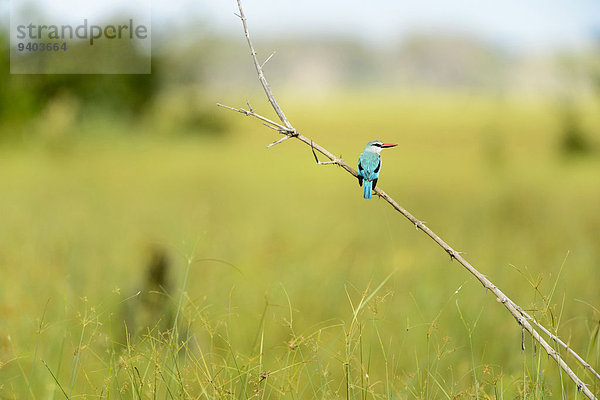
[[283, 281]]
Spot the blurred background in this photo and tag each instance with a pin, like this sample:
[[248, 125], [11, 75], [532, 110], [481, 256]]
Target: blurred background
[[145, 229]]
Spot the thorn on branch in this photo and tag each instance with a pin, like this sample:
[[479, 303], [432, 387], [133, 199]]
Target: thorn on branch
[[279, 140], [272, 127], [267, 60], [334, 161], [489, 287], [453, 253], [581, 386]]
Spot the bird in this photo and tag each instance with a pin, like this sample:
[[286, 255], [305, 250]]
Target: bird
[[369, 164]]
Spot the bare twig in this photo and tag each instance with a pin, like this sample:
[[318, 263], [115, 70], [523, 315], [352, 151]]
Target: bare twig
[[555, 338], [261, 76], [336, 161], [517, 312], [279, 141], [251, 113]]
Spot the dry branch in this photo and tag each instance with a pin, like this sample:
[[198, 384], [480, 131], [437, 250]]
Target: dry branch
[[261, 76], [523, 319], [558, 340]]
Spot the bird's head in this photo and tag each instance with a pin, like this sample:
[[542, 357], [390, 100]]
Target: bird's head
[[376, 146]]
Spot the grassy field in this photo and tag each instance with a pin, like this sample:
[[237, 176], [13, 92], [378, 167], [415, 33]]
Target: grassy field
[[281, 281]]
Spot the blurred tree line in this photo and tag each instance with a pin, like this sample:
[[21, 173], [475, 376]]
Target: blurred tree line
[[189, 66], [66, 99]]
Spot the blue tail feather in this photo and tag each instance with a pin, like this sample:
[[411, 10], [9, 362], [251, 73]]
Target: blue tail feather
[[368, 189]]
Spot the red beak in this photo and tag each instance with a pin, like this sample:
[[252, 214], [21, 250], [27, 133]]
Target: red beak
[[388, 145]]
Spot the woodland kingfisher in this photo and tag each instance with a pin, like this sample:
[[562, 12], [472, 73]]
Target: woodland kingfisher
[[369, 164]]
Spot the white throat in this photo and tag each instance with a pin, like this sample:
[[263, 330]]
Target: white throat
[[374, 149]]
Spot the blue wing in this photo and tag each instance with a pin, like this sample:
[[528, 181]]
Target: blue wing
[[369, 165]]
